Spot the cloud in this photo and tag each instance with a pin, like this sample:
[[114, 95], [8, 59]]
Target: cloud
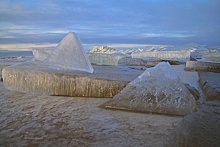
[[109, 20], [26, 46]]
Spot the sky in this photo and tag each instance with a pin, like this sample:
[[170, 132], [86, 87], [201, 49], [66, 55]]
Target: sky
[[111, 21]]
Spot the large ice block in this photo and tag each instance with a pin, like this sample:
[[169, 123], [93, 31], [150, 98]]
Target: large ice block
[[165, 55], [157, 90], [144, 62], [212, 57], [30, 77], [105, 59], [69, 54], [203, 66]]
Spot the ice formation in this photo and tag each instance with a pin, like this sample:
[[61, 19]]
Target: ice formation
[[102, 49], [69, 54], [42, 54], [105, 59], [163, 54], [203, 66], [157, 90]]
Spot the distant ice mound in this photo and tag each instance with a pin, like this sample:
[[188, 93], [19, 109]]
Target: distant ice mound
[[69, 54], [102, 49], [157, 90]]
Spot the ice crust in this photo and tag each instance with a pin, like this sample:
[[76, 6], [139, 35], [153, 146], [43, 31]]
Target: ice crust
[[69, 54]]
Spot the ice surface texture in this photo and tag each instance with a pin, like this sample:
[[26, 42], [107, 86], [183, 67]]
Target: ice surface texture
[[69, 54], [157, 90]]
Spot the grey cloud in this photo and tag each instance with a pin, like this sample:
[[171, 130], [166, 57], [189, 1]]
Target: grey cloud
[[111, 20]]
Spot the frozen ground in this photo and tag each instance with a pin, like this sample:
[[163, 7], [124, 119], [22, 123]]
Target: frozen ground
[[28, 120], [36, 120]]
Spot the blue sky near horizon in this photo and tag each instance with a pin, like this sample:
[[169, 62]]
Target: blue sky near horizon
[[111, 21]]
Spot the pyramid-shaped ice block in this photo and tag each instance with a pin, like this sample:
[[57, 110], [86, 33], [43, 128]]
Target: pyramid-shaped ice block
[[69, 54], [157, 90]]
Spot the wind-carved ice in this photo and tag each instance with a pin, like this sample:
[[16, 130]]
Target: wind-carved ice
[[69, 54]]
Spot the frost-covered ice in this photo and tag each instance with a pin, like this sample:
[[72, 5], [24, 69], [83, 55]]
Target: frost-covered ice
[[157, 90]]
